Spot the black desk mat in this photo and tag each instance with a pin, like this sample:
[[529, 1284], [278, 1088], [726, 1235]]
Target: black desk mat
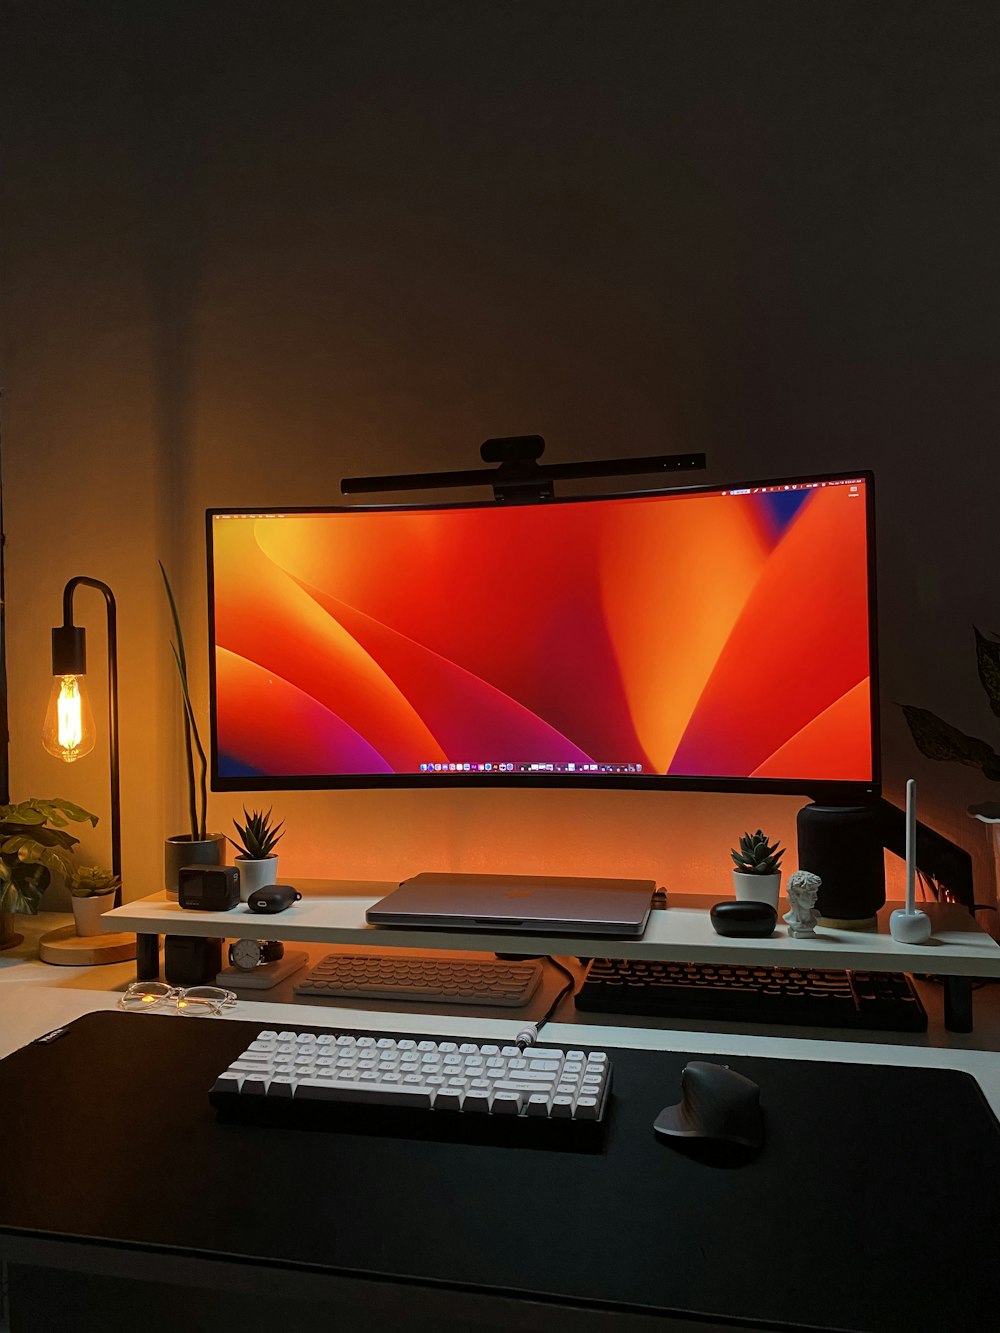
[[874, 1205]]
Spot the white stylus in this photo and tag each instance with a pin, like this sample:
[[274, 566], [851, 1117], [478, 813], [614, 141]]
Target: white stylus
[[910, 926]]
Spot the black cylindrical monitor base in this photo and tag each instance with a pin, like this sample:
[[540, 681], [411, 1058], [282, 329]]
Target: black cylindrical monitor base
[[843, 845]]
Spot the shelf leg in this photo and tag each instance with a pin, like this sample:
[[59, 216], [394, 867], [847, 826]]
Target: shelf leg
[[147, 957], [958, 1004]]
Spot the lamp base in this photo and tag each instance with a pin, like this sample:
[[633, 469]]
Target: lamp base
[[66, 948]]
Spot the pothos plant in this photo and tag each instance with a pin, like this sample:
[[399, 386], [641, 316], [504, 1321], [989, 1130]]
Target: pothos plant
[[33, 844], [938, 739]]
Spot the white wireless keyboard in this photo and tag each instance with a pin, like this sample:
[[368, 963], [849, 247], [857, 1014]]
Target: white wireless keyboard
[[318, 1074], [406, 977]]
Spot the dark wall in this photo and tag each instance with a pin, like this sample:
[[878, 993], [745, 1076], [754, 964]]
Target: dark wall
[[285, 242]]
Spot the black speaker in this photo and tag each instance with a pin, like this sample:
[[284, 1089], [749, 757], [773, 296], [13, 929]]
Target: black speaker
[[843, 844], [191, 960]]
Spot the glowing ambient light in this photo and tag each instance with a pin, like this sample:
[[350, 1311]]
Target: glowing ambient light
[[69, 731]]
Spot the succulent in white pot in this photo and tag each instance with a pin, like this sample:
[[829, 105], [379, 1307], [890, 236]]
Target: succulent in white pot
[[255, 858], [92, 889], [757, 877]]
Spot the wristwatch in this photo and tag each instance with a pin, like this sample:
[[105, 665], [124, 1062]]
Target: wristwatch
[[248, 954]]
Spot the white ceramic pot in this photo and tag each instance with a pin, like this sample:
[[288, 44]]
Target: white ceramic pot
[[87, 912], [256, 874], [757, 888]]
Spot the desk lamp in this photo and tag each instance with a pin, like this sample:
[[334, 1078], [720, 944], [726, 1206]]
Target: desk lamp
[[910, 925], [69, 734]]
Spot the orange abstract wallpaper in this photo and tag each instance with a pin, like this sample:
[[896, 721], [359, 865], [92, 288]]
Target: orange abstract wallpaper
[[710, 634]]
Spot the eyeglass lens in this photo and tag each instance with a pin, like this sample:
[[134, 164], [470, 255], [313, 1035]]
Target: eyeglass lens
[[141, 995], [194, 1000], [197, 999]]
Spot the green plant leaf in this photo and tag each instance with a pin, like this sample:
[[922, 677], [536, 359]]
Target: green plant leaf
[[54, 811], [29, 851], [22, 892], [198, 814], [988, 661], [938, 739], [49, 837], [88, 881]]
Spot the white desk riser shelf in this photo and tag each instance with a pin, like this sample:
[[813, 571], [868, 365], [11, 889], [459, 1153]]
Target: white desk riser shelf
[[333, 912]]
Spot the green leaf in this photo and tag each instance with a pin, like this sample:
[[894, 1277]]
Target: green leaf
[[22, 892], [54, 811], [988, 661], [85, 881], [198, 813], [48, 837], [179, 649], [31, 852], [938, 739]]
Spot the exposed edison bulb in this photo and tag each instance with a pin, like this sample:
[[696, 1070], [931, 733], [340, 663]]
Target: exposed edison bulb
[[69, 731]]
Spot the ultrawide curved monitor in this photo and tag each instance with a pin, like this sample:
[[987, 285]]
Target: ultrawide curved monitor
[[704, 638]]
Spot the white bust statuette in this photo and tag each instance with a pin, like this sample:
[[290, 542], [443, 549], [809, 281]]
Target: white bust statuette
[[803, 888]]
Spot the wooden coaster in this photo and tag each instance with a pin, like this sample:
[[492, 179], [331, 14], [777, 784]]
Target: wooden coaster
[[68, 949]]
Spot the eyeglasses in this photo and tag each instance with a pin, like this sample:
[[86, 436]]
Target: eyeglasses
[[196, 1001]]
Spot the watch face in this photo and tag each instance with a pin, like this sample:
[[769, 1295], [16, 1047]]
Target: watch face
[[246, 954]]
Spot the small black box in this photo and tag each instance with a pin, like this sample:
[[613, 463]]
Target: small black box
[[208, 888], [191, 960]]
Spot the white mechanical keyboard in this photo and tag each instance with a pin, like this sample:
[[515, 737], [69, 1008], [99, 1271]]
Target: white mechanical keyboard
[[320, 1073], [407, 977]]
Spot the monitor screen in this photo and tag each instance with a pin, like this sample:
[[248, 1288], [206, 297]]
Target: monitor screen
[[704, 638]]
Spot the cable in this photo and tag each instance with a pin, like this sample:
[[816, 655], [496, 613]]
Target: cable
[[928, 886], [529, 1034]]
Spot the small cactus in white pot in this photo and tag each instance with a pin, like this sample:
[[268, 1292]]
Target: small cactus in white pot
[[256, 858], [757, 877]]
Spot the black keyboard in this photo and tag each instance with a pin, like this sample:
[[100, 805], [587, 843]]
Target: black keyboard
[[731, 992]]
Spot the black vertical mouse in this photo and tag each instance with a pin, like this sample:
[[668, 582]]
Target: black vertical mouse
[[718, 1115]]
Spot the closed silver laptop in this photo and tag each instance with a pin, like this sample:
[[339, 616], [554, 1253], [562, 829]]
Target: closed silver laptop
[[542, 904]]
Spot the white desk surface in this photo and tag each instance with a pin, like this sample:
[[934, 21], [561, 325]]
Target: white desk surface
[[36, 998], [333, 912]]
